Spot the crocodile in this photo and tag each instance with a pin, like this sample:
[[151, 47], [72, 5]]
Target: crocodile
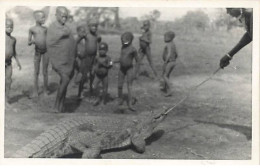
[[91, 136]]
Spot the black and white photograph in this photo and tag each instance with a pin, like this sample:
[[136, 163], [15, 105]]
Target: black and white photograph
[[130, 82]]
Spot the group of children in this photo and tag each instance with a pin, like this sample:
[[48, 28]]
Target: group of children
[[91, 61]]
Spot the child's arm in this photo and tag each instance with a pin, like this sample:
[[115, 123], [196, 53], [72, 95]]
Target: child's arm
[[16, 59], [147, 38], [99, 39], [30, 41], [110, 62], [137, 65], [169, 51]]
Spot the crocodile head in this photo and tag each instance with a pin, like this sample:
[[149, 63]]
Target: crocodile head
[[145, 128]]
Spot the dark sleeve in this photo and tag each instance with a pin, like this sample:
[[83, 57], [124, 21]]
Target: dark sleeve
[[149, 37], [246, 39], [14, 47]]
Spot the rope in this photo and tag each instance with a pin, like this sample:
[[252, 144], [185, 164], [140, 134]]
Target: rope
[[191, 90]]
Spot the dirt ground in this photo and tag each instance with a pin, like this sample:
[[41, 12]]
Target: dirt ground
[[214, 123]]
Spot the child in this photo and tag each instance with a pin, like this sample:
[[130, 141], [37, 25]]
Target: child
[[80, 54], [10, 52], [169, 57], [102, 64], [128, 53], [37, 36], [91, 45], [145, 41], [61, 51]]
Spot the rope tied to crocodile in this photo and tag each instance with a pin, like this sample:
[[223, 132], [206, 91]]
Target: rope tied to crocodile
[[191, 90]]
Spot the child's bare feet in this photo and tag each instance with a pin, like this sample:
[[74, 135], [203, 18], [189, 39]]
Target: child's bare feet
[[120, 101], [130, 107], [134, 100], [35, 95], [97, 102], [168, 94], [46, 93]]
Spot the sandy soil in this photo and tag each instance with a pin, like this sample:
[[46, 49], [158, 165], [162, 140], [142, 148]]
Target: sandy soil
[[213, 123]]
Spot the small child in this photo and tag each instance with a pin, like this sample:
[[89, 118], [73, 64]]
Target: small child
[[101, 67], [128, 54], [92, 39], [80, 69], [37, 36], [169, 57], [10, 52], [145, 41]]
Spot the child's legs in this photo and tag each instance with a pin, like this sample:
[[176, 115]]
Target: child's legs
[[8, 80], [168, 69], [130, 76], [45, 63], [149, 58], [37, 61], [121, 78], [81, 84], [105, 88], [91, 76], [96, 82], [141, 54], [65, 79]]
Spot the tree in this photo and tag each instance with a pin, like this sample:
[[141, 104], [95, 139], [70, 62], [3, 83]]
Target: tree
[[107, 16], [194, 20]]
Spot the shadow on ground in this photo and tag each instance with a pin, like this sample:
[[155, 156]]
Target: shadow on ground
[[247, 131]]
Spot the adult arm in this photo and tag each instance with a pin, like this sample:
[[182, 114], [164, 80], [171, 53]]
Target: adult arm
[[137, 65], [225, 60]]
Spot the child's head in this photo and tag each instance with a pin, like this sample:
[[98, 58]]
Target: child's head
[[9, 25], [39, 16], [93, 26], [103, 48], [127, 38], [70, 18], [146, 25], [235, 12], [169, 36], [81, 31], [62, 14]]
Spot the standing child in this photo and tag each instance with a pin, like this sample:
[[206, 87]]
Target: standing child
[[92, 39], [169, 57], [10, 52], [102, 65], [128, 54], [37, 36], [80, 54], [145, 41]]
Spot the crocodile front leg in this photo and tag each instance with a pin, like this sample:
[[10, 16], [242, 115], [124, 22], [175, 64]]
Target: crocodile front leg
[[88, 152], [91, 153], [139, 144]]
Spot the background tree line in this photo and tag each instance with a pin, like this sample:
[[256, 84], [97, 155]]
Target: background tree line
[[111, 22]]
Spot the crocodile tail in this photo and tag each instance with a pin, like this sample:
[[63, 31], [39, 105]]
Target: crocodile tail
[[49, 143]]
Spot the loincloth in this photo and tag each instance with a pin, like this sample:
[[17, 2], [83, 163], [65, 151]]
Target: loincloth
[[40, 51], [125, 69]]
